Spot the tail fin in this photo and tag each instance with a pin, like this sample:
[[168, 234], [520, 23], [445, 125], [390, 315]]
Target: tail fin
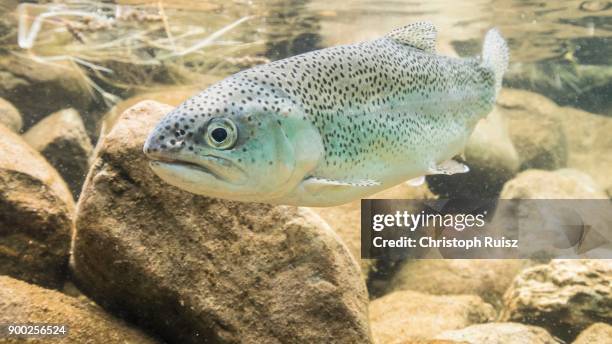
[[495, 55]]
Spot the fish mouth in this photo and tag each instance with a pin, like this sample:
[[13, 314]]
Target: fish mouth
[[206, 166], [183, 164]]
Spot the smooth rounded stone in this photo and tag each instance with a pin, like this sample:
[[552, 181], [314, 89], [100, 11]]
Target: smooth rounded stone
[[407, 315], [346, 219], [37, 89], [564, 296], [61, 138], [23, 303], [197, 269], [499, 333], [598, 333], [10, 116], [487, 278], [36, 212], [535, 127], [560, 184], [492, 159]]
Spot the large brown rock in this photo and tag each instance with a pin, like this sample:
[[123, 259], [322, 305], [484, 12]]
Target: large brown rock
[[565, 296], [23, 303], [405, 316], [62, 139], [486, 278], [599, 333], [36, 211], [199, 269], [10, 116], [499, 333]]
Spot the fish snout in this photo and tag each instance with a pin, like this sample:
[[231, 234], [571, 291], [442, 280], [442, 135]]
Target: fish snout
[[160, 145]]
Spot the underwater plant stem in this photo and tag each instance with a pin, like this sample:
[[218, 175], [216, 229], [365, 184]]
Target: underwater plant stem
[[208, 40], [164, 17], [26, 38]]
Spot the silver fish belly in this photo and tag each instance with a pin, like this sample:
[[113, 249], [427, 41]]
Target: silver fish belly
[[329, 126]]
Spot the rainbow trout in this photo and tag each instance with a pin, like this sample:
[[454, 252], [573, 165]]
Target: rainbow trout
[[333, 125]]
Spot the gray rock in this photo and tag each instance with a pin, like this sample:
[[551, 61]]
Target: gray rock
[[199, 269], [36, 212], [409, 316], [23, 303], [61, 138], [565, 296], [500, 333]]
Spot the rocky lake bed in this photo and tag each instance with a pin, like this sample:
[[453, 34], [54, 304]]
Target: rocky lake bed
[[92, 239]]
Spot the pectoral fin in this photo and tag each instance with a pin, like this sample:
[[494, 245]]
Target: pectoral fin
[[449, 167], [315, 184]]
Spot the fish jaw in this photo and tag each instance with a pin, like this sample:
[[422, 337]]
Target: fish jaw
[[210, 176], [206, 167]]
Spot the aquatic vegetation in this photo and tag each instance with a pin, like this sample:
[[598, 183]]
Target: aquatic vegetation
[[126, 46]]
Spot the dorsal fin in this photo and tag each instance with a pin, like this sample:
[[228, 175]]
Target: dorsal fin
[[421, 35]]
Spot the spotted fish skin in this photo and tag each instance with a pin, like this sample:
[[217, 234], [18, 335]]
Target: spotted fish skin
[[338, 123]]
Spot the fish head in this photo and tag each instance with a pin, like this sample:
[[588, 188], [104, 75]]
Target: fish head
[[230, 144]]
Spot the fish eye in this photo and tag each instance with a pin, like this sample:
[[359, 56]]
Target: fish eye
[[221, 133]]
